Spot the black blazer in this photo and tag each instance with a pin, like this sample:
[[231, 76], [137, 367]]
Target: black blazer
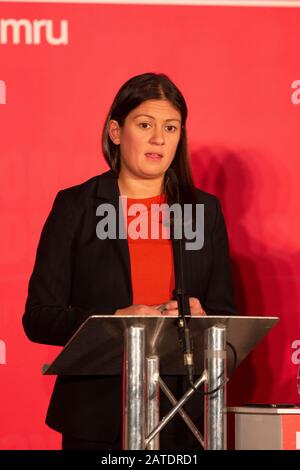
[[76, 275]]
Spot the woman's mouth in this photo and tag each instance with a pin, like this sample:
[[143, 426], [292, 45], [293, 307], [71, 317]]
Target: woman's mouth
[[154, 156]]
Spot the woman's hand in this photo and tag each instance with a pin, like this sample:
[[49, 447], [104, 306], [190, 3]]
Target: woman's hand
[[138, 310], [171, 307]]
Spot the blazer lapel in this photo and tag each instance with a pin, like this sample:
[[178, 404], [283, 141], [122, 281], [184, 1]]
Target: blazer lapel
[[108, 192]]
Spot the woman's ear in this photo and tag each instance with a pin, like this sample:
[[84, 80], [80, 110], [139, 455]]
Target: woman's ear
[[114, 131]]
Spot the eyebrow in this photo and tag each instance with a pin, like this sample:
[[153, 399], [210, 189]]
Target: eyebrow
[[152, 117]]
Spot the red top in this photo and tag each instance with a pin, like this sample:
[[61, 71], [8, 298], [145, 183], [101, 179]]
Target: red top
[[151, 257]]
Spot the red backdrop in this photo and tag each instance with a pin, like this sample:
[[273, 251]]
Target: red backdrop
[[236, 67]]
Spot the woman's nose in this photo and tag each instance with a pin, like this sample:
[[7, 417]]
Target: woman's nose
[[157, 136]]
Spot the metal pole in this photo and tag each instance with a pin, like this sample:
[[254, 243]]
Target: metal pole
[[134, 432], [152, 368], [215, 364], [174, 410], [182, 413]]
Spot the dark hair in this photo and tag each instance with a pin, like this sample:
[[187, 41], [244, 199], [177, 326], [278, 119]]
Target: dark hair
[[149, 86]]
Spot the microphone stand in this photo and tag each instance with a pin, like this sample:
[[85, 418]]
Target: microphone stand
[[180, 294], [184, 311]]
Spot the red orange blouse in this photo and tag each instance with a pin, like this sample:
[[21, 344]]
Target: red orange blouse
[[151, 259]]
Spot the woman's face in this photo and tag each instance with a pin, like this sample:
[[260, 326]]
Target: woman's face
[[148, 140]]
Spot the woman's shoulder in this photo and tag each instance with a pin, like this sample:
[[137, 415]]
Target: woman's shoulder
[[73, 201], [85, 189], [212, 207], [204, 197]]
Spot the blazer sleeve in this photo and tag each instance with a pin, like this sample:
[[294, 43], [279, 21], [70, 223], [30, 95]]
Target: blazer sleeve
[[219, 297], [49, 318]]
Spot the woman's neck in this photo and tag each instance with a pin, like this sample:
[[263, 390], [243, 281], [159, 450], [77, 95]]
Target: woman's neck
[[140, 188]]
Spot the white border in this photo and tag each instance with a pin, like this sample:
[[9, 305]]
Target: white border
[[224, 3]]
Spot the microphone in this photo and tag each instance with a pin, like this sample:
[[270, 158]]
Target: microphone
[[179, 292]]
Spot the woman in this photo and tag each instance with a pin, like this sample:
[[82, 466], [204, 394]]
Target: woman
[[78, 273]]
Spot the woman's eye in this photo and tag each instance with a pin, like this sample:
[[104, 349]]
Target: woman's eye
[[171, 128], [144, 124]]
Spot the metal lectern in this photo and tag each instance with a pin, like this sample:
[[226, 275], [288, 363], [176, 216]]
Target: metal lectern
[[152, 348]]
